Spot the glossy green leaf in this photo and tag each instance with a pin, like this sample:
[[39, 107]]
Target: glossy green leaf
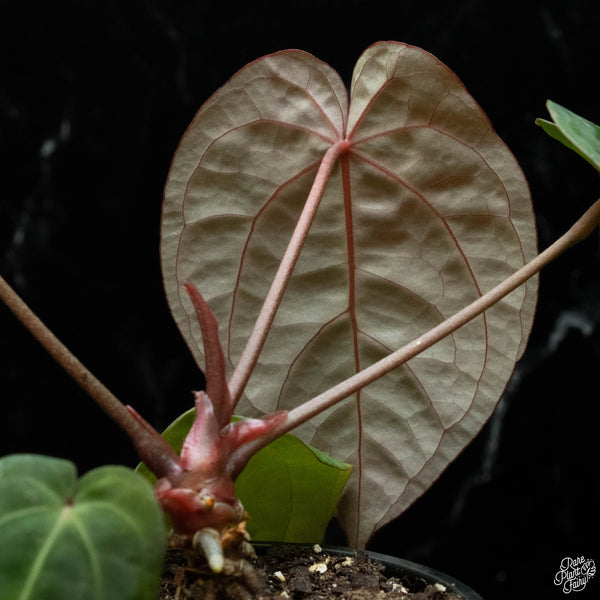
[[290, 490], [426, 212], [573, 131], [96, 538]]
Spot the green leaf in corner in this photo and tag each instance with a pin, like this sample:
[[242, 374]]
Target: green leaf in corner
[[573, 131], [290, 490], [99, 537]]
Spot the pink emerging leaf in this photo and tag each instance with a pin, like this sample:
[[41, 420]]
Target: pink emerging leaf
[[216, 382], [199, 446]]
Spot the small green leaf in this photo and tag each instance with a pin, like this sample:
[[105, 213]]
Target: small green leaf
[[573, 131], [289, 489], [99, 538]]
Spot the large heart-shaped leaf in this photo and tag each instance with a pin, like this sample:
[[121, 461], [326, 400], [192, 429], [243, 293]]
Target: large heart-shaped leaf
[[426, 211], [99, 538]]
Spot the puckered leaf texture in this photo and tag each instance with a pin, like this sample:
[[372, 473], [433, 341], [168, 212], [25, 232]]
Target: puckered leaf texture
[[426, 212]]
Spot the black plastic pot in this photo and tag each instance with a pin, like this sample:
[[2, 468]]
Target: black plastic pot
[[395, 567]]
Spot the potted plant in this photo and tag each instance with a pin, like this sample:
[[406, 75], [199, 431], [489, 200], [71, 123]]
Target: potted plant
[[312, 244]]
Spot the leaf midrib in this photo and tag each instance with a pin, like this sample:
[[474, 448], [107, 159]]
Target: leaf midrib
[[65, 516]]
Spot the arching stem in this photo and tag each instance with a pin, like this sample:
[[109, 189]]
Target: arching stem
[[140, 434], [579, 231]]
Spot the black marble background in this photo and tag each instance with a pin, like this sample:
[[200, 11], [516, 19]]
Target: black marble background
[[94, 97]]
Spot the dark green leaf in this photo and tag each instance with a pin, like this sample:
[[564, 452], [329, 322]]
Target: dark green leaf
[[97, 538]]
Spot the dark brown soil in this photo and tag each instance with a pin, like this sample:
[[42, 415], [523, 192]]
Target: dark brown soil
[[293, 573]]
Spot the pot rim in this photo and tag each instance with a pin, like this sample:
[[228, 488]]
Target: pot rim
[[392, 565]]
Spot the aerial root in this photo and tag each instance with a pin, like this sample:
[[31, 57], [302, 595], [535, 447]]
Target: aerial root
[[207, 542]]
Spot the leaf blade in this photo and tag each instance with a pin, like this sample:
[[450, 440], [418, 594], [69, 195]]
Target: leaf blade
[[100, 537], [426, 212], [575, 132], [209, 158], [411, 251]]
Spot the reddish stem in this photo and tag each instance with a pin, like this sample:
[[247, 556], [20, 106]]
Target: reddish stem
[[257, 338], [102, 395], [579, 231]]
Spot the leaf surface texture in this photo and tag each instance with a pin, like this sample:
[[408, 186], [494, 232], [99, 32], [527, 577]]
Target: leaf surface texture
[[97, 538], [426, 211]]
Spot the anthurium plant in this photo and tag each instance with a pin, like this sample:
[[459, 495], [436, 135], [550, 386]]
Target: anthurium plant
[[360, 270]]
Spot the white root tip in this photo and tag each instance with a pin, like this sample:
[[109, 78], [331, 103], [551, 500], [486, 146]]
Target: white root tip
[[208, 542]]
